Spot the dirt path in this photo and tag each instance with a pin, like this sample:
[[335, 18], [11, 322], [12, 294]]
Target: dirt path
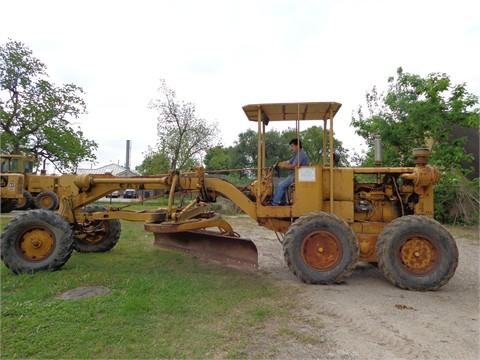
[[368, 318]]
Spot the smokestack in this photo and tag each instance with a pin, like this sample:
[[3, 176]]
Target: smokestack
[[127, 156], [377, 141]]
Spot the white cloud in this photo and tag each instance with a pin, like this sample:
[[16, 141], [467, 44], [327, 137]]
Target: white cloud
[[221, 55]]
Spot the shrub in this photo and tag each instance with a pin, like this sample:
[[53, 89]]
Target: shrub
[[457, 199]]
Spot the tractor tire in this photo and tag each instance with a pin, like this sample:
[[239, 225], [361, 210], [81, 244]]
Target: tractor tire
[[416, 253], [97, 235], [26, 201], [320, 248], [36, 240], [46, 200], [7, 205]]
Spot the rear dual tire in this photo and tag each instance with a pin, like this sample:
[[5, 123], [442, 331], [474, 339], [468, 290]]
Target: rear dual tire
[[414, 252], [46, 200]]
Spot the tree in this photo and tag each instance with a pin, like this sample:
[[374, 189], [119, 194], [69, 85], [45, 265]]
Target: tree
[[243, 154], [416, 112], [35, 114], [183, 137], [154, 163], [423, 112], [245, 150], [312, 141], [219, 158]]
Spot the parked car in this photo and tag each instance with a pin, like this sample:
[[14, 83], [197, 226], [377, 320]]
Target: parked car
[[114, 194], [130, 194]]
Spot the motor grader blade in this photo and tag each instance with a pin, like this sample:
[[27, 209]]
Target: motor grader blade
[[209, 245]]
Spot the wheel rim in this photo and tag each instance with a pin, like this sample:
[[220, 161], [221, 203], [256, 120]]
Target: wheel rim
[[418, 255], [37, 244], [46, 202], [321, 250], [94, 232]]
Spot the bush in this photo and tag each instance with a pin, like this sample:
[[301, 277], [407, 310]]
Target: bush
[[457, 199]]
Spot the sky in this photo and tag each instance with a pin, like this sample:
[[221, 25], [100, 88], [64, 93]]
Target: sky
[[221, 55]]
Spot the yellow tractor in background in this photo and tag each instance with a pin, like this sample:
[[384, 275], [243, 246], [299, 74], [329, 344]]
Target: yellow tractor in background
[[39, 190], [335, 216], [11, 187]]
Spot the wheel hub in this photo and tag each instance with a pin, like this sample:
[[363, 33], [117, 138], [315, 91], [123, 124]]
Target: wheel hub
[[321, 250], [46, 202], [37, 245], [93, 232], [418, 255]]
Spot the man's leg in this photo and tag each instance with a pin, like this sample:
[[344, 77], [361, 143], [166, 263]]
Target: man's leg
[[279, 194]]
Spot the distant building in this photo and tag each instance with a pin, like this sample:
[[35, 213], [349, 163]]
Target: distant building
[[114, 169]]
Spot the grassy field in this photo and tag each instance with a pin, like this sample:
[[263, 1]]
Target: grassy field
[[162, 305]]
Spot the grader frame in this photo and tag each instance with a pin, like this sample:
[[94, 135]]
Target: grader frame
[[334, 220]]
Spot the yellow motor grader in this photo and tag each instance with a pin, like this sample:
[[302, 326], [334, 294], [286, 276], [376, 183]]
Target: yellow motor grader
[[334, 217], [11, 187], [39, 190]]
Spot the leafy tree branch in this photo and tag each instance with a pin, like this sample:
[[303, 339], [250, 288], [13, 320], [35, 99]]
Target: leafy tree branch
[[36, 115]]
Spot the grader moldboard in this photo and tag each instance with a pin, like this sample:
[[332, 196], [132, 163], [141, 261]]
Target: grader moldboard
[[335, 216]]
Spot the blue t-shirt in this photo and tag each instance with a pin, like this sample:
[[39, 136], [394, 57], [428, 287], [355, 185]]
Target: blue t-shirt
[[299, 158]]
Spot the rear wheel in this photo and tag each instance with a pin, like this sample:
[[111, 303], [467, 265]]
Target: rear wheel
[[96, 235], [36, 240], [25, 202], [47, 200], [320, 248], [417, 253]]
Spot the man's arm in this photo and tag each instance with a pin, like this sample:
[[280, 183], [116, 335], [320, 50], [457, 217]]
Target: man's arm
[[286, 165]]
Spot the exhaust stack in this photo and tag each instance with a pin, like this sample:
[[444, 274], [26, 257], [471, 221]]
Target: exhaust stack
[[377, 141], [127, 156]]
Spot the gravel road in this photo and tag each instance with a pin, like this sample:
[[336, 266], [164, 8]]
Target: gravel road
[[367, 317]]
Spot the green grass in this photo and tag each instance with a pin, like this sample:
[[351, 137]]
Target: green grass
[[162, 305]]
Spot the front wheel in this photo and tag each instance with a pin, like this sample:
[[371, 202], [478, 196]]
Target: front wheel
[[36, 240], [96, 235], [417, 253], [320, 248]]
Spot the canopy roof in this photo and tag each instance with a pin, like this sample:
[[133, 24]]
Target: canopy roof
[[292, 111]]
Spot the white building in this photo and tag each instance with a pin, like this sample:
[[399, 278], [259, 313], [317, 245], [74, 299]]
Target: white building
[[114, 169]]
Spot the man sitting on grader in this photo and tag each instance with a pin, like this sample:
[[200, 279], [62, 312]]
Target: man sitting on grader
[[299, 158]]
